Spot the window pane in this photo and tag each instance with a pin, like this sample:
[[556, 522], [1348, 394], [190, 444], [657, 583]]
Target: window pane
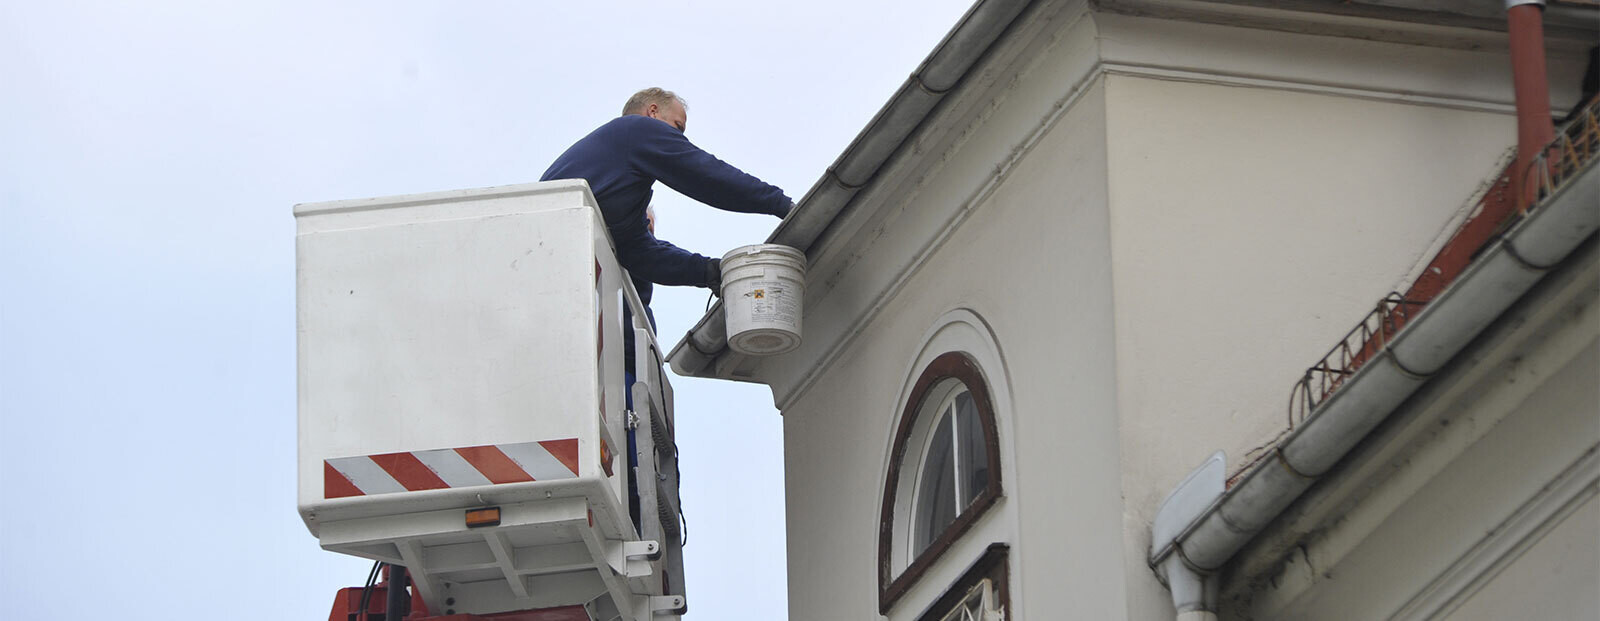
[[978, 599], [935, 507], [974, 451]]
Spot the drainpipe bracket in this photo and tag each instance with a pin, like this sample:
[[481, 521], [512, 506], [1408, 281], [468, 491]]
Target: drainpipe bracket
[[846, 185], [926, 88], [1402, 368], [1511, 250], [1283, 460], [697, 349]]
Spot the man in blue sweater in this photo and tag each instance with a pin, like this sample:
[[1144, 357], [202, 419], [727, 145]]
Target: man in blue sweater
[[622, 160]]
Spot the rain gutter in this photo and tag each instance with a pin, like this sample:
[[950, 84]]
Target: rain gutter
[[857, 168], [1223, 522]]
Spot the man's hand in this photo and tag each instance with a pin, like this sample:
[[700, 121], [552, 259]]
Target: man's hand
[[786, 211], [714, 276]]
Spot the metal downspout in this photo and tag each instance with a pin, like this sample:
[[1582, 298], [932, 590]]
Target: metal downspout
[[1531, 85], [1194, 593]]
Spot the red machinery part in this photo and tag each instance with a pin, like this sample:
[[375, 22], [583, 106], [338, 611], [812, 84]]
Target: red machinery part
[[347, 604], [347, 607], [563, 613]]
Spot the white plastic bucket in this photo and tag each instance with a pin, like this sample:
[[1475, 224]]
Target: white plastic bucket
[[763, 287]]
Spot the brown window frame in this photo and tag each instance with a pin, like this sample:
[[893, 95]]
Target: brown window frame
[[992, 565], [950, 365]]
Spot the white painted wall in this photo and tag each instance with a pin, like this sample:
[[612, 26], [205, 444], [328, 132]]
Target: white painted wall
[[1032, 262], [1164, 224], [1251, 228]]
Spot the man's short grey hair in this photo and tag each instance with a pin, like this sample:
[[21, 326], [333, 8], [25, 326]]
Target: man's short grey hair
[[653, 95]]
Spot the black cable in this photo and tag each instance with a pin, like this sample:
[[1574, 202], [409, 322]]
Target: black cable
[[683, 519], [366, 590]]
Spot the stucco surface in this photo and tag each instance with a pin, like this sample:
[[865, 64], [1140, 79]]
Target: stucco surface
[[1555, 579], [1044, 291], [1158, 269], [1251, 228], [1469, 500]]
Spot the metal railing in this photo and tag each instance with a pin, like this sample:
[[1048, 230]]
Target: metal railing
[[1361, 344], [1574, 147]]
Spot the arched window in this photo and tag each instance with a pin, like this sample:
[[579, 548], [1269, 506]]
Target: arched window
[[954, 466], [944, 471]]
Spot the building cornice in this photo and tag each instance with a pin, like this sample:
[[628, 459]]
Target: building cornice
[[1083, 47], [1463, 24]]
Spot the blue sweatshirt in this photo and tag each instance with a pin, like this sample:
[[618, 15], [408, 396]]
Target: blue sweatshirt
[[622, 160]]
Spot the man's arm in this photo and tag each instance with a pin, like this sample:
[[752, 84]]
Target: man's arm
[[662, 263], [664, 153]]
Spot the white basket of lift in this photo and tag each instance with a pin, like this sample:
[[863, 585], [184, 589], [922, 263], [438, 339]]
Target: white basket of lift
[[460, 351]]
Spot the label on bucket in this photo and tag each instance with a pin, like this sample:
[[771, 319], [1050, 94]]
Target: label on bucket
[[772, 300]]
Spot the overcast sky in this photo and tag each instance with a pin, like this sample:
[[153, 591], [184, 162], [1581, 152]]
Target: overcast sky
[[150, 154]]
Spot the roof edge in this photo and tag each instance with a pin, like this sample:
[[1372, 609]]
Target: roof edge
[[944, 69]]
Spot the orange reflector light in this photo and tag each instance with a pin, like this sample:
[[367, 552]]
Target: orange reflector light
[[483, 517], [605, 457]]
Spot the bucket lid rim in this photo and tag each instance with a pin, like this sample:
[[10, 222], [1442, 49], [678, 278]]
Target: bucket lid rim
[[755, 249]]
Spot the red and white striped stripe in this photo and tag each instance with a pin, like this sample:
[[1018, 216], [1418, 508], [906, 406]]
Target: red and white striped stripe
[[448, 468]]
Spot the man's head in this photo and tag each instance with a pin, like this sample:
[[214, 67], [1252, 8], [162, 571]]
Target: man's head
[[661, 105]]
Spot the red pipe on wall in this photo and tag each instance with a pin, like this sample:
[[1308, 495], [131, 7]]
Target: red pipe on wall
[[1525, 24]]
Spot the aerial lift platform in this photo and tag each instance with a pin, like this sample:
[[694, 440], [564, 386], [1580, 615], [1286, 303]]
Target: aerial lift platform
[[464, 409]]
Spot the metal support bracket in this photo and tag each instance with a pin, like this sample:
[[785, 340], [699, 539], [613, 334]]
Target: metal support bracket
[[670, 604], [632, 558]]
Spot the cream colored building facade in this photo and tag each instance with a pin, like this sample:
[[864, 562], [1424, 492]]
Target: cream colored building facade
[[1141, 222]]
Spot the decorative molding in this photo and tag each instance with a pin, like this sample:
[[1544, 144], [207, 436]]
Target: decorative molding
[[951, 365], [1224, 78], [1002, 171], [1058, 109], [897, 173], [1568, 492], [958, 330], [1459, 24]]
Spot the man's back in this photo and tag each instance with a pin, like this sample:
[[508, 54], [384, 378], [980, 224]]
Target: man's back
[[602, 159], [623, 158]]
